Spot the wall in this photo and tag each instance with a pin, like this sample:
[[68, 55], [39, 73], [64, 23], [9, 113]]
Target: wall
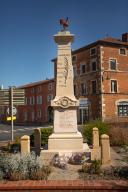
[[110, 100]]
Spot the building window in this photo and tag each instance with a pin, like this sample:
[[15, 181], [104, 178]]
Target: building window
[[50, 86], [122, 51], [123, 109], [39, 99], [75, 70], [113, 86], [32, 100], [73, 58], [82, 68], [39, 113], [113, 64], [83, 89], [27, 101], [93, 51], [39, 89], [49, 97], [94, 67], [93, 87], [32, 90]]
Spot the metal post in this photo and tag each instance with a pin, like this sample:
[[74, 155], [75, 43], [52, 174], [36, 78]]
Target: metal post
[[82, 115], [12, 112]]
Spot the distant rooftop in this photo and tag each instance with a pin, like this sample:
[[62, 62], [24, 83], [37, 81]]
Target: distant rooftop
[[36, 83], [105, 41]]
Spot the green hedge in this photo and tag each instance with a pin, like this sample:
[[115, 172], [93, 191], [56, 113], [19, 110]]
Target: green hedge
[[45, 133], [88, 129]]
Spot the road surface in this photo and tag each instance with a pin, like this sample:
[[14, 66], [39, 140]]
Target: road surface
[[19, 131]]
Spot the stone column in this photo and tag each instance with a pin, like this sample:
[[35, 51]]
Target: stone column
[[105, 149], [25, 144], [66, 135], [95, 152], [37, 140], [95, 137]]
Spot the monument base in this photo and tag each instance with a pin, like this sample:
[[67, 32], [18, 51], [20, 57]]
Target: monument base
[[65, 141]]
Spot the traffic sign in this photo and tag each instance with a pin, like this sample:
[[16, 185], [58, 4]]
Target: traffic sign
[[4, 97], [14, 110], [18, 96], [9, 118], [12, 96]]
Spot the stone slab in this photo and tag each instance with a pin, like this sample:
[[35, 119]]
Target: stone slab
[[66, 141]]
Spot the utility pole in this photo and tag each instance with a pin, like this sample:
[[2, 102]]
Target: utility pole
[[11, 112]]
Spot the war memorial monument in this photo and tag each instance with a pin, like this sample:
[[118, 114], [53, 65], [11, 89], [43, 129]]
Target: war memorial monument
[[66, 135]]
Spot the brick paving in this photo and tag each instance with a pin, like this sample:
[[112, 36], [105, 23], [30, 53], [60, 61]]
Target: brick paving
[[79, 185]]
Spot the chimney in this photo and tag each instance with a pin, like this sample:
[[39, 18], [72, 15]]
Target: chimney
[[125, 37]]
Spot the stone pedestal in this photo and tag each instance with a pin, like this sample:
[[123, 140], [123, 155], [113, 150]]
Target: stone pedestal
[[66, 135], [66, 142], [96, 151], [25, 144], [105, 149]]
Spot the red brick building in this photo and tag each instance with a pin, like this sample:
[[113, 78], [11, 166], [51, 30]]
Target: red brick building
[[101, 79], [37, 109], [100, 84]]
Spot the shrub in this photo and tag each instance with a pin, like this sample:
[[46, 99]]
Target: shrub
[[95, 166], [17, 167], [121, 172], [118, 136], [92, 168], [14, 147], [1, 174], [41, 174], [88, 129], [86, 167], [45, 133]]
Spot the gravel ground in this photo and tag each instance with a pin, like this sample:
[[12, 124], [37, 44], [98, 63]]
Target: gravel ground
[[73, 171]]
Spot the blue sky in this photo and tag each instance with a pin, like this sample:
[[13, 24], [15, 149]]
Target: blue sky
[[27, 28]]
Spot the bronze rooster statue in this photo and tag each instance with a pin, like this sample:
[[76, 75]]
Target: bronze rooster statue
[[65, 23]]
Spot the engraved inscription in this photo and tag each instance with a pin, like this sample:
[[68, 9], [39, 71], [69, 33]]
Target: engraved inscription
[[66, 121]]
